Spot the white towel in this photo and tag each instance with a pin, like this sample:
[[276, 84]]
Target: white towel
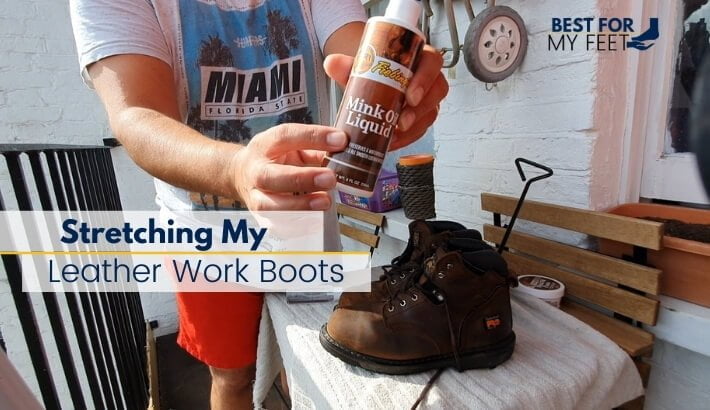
[[559, 363]]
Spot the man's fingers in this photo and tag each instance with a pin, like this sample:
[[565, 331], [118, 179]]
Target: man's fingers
[[262, 201], [312, 158], [411, 114], [296, 137], [338, 67], [416, 131], [290, 178], [427, 71]]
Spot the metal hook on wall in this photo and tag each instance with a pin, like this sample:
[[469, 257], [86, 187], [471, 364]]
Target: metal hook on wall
[[454, 32], [456, 46]]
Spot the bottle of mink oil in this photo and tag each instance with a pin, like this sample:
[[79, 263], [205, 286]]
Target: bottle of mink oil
[[375, 95]]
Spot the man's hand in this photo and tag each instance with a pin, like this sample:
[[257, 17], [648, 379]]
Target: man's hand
[[141, 102], [425, 92], [283, 160]]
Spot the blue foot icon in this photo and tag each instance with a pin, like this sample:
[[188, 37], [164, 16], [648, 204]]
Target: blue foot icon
[[639, 42]]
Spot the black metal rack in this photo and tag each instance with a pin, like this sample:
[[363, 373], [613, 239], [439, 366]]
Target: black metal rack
[[108, 328]]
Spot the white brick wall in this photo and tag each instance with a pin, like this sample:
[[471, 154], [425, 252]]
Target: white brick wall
[[544, 112]]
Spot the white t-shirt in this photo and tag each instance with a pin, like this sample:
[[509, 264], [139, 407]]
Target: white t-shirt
[[239, 66]]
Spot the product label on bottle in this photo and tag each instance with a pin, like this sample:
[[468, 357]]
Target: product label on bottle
[[388, 72], [373, 101]]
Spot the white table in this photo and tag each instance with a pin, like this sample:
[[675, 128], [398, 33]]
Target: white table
[[559, 363]]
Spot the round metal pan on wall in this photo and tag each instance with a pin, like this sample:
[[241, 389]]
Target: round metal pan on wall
[[496, 43]]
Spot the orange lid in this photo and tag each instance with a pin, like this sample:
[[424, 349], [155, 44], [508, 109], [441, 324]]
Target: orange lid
[[416, 159]]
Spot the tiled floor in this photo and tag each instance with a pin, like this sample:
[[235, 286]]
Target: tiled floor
[[185, 382]]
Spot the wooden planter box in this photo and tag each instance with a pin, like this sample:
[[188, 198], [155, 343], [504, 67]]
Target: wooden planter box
[[685, 264]]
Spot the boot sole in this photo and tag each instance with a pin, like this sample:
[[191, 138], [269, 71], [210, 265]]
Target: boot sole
[[487, 357]]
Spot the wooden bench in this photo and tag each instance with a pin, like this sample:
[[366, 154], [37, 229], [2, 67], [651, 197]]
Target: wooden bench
[[614, 296], [355, 232]]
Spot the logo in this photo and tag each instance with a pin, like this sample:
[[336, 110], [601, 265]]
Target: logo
[[373, 67], [493, 322], [641, 42], [600, 34], [250, 41], [232, 94], [430, 264], [385, 69], [415, 238], [234, 5], [365, 60]]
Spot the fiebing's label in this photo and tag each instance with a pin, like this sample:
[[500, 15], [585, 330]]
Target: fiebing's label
[[383, 70]]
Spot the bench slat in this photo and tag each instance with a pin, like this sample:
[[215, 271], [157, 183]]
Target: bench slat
[[618, 300], [606, 267], [633, 340], [633, 231], [361, 215], [359, 235]]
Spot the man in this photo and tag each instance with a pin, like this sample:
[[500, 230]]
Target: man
[[217, 99]]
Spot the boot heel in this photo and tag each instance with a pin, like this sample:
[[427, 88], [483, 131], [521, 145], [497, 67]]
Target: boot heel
[[490, 358]]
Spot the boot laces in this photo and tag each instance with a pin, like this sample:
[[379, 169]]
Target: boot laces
[[398, 275], [454, 348], [441, 297], [405, 289]]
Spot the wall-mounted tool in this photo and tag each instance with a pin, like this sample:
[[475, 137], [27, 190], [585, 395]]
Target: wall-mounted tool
[[495, 44]]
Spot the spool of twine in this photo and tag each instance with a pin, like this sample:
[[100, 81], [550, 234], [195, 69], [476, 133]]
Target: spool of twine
[[416, 186]]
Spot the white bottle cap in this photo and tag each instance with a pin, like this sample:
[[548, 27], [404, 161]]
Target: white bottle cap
[[407, 11]]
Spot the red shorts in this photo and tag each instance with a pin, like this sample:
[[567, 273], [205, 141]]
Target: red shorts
[[220, 329]]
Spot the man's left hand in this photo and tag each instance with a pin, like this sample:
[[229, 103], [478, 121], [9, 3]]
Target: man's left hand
[[426, 91]]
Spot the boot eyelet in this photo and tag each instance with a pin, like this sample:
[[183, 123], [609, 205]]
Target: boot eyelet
[[415, 297], [440, 275], [402, 276], [449, 266], [393, 282], [403, 303], [390, 308]]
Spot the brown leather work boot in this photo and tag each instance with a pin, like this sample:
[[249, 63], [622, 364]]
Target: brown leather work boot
[[456, 315], [424, 238]]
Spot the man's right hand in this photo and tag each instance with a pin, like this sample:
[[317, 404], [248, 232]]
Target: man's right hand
[[140, 98], [283, 161]]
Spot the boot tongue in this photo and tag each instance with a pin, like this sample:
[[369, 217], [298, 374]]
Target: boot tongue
[[420, 233], [430, 265], [426, 234]]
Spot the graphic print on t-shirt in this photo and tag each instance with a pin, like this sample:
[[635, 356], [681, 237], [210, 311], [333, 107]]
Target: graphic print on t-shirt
[[240, 5], [249, 66], [262, 92]]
